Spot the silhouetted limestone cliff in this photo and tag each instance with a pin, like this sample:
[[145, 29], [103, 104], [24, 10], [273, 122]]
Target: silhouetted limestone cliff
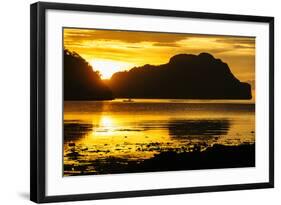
[[184, 76], [81, 82]]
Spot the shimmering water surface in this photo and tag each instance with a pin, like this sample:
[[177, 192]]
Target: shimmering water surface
[[136, 130]]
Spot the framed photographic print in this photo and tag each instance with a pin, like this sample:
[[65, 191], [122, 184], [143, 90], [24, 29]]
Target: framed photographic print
[[129, 102]]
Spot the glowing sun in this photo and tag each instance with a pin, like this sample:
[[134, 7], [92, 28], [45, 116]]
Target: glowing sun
[[108, 67]]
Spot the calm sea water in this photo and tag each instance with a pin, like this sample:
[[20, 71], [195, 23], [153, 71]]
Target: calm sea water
[[137, 130]]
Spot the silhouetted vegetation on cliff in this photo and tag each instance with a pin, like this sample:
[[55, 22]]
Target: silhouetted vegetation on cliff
[[81, 82], [184, 76]]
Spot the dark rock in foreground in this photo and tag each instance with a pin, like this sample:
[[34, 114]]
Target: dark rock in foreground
[[218, 156], [185, 76]]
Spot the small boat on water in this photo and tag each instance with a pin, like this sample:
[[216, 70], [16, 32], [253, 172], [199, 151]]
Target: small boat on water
[[128, 100]]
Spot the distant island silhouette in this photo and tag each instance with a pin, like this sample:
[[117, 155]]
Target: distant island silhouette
[[81, 82], [185, 76]]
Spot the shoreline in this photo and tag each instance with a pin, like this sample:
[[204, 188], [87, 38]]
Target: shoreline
[[215, 157]]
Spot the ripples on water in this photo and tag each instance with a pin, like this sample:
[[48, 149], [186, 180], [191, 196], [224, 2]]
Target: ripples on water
[[139, 130]]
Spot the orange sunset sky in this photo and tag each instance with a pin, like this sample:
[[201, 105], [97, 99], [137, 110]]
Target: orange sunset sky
[[109, 51]]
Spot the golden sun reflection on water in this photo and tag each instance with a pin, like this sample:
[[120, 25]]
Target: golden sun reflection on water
[[105, 127], [111, 136], [110, 133]]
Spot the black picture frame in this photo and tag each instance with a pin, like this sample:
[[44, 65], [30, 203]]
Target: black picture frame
[[38, 101]]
